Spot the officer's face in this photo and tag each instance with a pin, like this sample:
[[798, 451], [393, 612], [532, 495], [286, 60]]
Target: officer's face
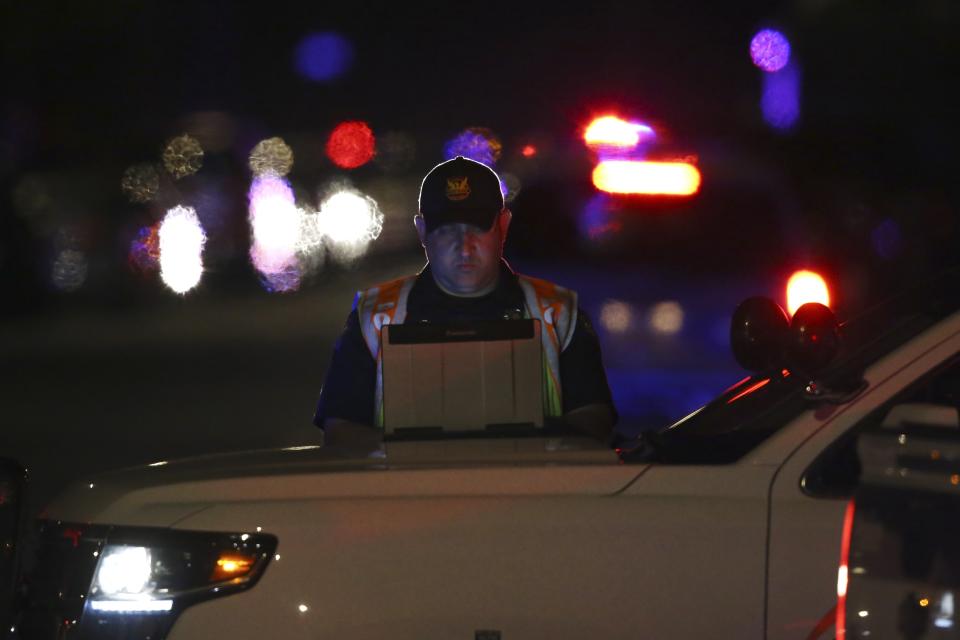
[[464, 259]]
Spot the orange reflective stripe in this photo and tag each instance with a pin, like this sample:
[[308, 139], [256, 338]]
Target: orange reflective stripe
[[384, 304]]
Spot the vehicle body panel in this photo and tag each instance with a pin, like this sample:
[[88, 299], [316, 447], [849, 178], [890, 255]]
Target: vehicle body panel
[[677, 560]]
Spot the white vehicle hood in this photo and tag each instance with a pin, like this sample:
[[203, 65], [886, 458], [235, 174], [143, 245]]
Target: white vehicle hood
[[166, 492]]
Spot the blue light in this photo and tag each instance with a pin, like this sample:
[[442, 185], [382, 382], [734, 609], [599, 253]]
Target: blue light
[[780, 102], [598, 221], [475, 143], [770, 50], [323, 57]]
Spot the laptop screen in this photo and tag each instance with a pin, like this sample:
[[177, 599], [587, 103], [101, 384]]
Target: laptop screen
[[450, 378]]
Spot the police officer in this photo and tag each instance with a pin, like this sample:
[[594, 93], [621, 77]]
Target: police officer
[[462, 226]]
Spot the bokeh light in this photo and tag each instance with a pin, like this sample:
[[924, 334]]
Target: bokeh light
[[770, 50], [599, 220], [351, 145], [476, 143], [887, 239], [528, 151], [780, 100], [350, 221], [272, 157], [806, 286], [666, 318], [183, 156], [145, 249], [611, 131], [616, 316], [69, 270], [141, 182], [181, 249], [275, 225], [645, 177], [323, 57]]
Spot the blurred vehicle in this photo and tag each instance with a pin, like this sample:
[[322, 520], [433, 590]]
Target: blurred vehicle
[[725, 524], [900, 559]]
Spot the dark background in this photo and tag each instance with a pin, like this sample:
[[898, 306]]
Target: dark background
[[122, 371]]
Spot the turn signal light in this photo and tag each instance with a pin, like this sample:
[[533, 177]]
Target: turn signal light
[[231, 565]]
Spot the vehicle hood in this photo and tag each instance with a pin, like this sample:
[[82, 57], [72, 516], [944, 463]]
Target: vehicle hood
[[165, 492]]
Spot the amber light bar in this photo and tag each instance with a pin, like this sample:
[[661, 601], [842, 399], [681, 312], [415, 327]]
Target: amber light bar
[[647, 177], [232, 565]]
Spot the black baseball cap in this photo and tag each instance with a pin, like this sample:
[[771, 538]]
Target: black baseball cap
[[460, 190]]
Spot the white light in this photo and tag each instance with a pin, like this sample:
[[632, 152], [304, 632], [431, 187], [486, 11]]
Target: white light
[[667, 318], [275, 223], [303, 447], [842, 581], [277, 557], [69, 270], [124, 570], [245, 537], [92, 485], [350, 220], [616, 316], [303, 608], [132, 606], [158, 464], [944, 617], [181, 249], [863, 614], [259, 529]]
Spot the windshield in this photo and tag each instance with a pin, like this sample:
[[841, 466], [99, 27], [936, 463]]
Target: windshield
[[754, 408]]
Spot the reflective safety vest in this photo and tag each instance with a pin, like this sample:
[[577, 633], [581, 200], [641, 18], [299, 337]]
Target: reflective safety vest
[[554, 306]]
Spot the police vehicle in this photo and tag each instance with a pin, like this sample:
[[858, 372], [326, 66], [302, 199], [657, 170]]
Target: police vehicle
[[726, 524]]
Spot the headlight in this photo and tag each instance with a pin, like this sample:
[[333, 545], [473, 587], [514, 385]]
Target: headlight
[[138, 580]]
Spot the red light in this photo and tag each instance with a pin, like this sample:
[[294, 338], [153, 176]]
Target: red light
[[749, 390], [645, 177], [73, 535], [842, 574], [735, 385], [529, 151], [351, 145], [611, 131], [806, 286]]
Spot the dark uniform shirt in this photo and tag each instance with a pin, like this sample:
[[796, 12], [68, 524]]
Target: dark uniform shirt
[[350, 386]]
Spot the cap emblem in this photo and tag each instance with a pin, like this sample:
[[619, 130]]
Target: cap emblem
[[458, 189]]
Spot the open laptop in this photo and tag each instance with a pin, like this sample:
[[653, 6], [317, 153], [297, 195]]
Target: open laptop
[[456, 378]]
